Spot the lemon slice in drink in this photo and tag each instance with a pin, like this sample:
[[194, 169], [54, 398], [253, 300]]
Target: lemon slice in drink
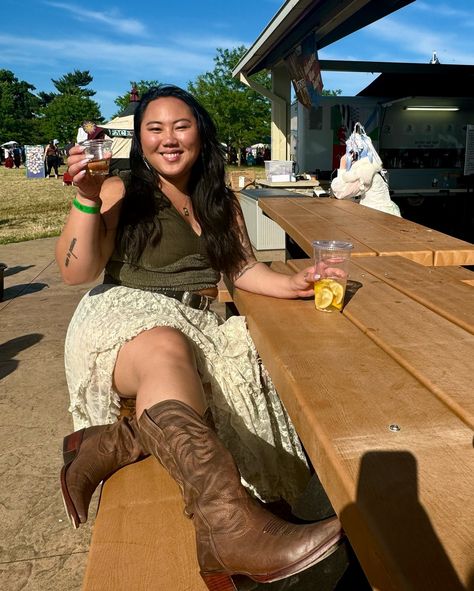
[[323, 298], [338, 292]]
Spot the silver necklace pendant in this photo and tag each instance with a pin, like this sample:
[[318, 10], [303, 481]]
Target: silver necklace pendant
[[186, 211]]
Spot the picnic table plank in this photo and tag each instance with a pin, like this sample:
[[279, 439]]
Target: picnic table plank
[[371, 231], [436, 348], [433, 287], [447, 250], [458, 273], [304, 228], [343, 391]]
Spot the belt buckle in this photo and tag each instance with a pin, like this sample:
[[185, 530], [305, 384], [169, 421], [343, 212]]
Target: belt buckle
[[189, 298], [186, 298]]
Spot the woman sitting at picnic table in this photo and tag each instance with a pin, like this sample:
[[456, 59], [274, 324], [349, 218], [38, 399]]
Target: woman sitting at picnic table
[[205, 407]]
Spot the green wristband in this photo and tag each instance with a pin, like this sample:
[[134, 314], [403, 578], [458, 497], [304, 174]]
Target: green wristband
[[85, 208]]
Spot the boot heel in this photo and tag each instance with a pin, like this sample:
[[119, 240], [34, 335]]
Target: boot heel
[[218, 582], [71, 445]]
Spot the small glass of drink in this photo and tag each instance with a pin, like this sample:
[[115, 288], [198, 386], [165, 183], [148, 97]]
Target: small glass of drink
[[331, 262], [101, 152]]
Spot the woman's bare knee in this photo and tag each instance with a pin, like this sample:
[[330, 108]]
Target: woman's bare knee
[[147, 353]]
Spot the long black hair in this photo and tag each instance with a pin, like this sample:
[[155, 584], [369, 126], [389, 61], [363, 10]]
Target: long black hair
[[214, 204]]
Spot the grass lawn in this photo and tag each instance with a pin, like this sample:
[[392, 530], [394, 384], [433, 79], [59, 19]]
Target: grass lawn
[[31, 208], [37, 208]]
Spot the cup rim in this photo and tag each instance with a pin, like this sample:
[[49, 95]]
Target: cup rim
[[96, 142], [332, 244]]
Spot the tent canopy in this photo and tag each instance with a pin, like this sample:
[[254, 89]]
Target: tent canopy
[[10, 144], [120, 129]]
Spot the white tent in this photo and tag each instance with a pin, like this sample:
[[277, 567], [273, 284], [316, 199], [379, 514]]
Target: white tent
[[120, 130], [9, 144]]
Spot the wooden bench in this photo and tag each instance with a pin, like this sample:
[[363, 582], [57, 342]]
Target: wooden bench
[[141, 540]]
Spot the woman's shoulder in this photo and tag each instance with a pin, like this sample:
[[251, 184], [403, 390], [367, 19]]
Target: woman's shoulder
[[112, 190], [113, 182]]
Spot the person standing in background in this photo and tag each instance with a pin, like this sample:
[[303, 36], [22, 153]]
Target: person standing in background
[[17, 156], [51, 158]]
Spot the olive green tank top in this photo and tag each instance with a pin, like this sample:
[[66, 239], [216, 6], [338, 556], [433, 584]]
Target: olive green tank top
[[178, 262]]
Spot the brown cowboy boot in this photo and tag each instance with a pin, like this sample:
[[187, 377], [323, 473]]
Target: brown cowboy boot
[[234, 533], [92, 455]]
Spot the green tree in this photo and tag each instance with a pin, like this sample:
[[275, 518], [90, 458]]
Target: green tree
[[18, 108], [242, 115], [63, 112], [75, 83], [141, 87], [337, 92]]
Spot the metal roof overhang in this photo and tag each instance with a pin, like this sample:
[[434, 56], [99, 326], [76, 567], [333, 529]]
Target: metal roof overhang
[[331, 20], [399, 79]]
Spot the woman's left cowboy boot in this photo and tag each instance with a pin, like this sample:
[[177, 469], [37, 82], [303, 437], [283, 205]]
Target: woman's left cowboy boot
[[92, 455]]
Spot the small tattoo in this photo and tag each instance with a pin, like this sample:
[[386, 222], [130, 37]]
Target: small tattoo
[[70, 253], [245, 269]]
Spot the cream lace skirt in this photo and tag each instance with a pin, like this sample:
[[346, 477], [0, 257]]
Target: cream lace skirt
[[249, 416]]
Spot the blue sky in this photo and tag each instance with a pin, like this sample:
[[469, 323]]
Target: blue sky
[[120, 41]]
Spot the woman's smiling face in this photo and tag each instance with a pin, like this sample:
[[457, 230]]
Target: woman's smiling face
[[170, 139]]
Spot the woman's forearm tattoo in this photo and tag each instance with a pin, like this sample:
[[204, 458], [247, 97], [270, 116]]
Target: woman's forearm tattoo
[[245, 269], [69, 253]]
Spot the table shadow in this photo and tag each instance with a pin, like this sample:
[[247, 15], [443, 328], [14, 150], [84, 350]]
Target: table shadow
[[388, 508]]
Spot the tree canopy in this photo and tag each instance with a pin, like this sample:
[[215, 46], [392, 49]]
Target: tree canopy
[[65, 110], [242, 115], [18, 109]]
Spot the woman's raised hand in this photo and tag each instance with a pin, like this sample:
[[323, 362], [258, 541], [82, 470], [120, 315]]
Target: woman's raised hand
[[88, 186]]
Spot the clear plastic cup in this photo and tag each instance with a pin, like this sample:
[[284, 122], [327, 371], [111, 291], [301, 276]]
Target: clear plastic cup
[[101, 152], [331, 262]]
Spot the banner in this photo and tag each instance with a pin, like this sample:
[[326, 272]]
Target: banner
[[113, 133], [34, 162], [305, 72]]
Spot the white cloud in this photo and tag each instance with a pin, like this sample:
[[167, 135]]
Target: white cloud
[[111, 19], [98, 53], [420, 43], [212, 43], [444, 10]]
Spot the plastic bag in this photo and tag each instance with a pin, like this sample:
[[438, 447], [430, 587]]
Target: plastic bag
[[359, 145]]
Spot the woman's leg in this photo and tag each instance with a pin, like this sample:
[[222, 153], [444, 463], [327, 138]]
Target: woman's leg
[[157, 365]]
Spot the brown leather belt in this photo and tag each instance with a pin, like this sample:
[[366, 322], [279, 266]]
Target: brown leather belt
[[194, 300], [189, 298]]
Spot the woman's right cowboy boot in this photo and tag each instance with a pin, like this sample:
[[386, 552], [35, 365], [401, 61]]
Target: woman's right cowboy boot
[[234, 533], [92, 455]]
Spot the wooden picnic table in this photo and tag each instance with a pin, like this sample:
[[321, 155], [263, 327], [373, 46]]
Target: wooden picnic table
[[381, 396], [372, 232]]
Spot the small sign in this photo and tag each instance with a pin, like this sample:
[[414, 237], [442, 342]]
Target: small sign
[[126, 133], [469, 158]]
